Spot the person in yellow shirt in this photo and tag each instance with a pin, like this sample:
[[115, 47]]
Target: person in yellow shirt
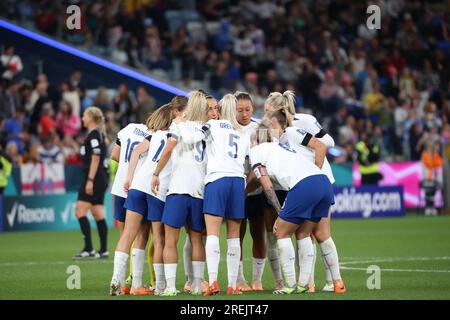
[[5, 170]]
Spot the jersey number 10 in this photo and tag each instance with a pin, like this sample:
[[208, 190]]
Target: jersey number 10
[[130, 147]]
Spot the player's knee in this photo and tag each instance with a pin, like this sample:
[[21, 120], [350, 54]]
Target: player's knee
[[321, 234]]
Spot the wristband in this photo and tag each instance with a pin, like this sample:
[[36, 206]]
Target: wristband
[[156, 175], [90, 179]]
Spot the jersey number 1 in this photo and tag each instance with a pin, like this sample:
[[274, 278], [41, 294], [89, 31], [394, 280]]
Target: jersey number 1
[[130, 147]]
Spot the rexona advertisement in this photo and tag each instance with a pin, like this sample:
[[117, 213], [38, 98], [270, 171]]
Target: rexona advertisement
[[49, 212], [368, 202]]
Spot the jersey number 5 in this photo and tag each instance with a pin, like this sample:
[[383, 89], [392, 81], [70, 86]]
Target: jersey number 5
[[233, 144]]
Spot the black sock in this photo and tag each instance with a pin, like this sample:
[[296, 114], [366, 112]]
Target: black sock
[[103, 234], [86, 231]]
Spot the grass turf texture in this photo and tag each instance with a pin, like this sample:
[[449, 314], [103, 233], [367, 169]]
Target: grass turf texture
[[33, 265]]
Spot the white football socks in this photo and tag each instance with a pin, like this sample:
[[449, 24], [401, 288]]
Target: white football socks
[[170, 271], [306, 258], [138, 260], [212, 250], [198, 271], [241, 276], [187, 260], [273, 256], [160, 281], [313, 269], [331, 258], [258, 269], [287, 259], [233, 258], [120, 266]]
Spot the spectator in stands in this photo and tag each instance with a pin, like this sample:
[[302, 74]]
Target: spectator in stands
[[124, 105], [11, 64], [67, 121], [70, 150], [49, 152], [102, 100], [15, 129], [47, 123], [12, 152], [9, 99], [145, 105], [41, 90], [33, 154], [432, 168], [71, 95]]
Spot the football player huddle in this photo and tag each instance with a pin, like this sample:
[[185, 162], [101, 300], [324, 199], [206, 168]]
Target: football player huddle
[[197, 163]]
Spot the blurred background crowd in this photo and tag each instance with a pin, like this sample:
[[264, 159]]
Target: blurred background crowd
[[391, 84]]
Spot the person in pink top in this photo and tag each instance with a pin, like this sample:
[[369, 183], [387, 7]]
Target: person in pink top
[[67, 121]]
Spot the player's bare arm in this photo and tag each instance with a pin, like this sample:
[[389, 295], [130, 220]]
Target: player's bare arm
[[141, 148], [261, 173], [115, 153], [320, 151]]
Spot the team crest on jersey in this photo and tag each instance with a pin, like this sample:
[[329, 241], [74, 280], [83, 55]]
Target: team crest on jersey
[[301, 131]]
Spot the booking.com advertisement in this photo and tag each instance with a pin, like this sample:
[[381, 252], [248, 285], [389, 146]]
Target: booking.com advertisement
[[50, 212], [406, 174], [368, 202]]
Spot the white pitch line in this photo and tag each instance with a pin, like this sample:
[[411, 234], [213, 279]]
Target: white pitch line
[[394, 259], [397, 270]]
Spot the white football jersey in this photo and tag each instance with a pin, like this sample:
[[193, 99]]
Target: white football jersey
[[307, 122], [188, 161], [143, 175], [297, 139], [283, 164], [249, 129], [129, 137]]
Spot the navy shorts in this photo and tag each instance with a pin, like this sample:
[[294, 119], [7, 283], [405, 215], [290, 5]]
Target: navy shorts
[[310, 199], [182, 209], [225, 198], [148, 206], [254, 206], [281, 195], [119, 209]]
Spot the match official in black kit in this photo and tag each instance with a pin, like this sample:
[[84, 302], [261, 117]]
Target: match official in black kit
[[96, 178]]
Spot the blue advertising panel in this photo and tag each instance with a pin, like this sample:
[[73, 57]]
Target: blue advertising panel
[[45, 212], [368, 202]]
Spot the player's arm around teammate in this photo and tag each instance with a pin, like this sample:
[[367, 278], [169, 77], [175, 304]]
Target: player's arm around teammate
[[139, 208], [226, 150], [308, 200]]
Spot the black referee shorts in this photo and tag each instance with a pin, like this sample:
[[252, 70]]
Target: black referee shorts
[[100, 185]]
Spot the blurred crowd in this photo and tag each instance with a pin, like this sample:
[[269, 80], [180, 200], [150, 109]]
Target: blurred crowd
[[392, 83]]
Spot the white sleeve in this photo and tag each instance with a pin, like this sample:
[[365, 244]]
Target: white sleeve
[[298, 136], [256, 157], [173, 131], [327, 140], [190, 137]]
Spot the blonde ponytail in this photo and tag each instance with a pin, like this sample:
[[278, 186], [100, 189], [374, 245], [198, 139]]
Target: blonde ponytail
[[98, 118], [227, 107], [289, 97], [197, 107]]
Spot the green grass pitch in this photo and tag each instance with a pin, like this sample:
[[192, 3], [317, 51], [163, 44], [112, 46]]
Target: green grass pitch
[[412, 252]]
